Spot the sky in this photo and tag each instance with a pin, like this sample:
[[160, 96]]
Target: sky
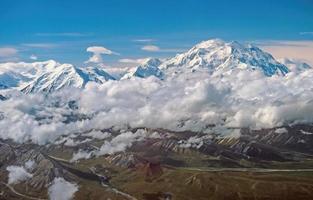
[[124, 31]]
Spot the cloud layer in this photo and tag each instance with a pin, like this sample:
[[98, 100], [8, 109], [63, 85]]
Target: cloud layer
[[191, 101]]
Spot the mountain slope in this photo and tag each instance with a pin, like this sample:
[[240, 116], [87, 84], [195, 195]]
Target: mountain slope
[[146, 69], [217, 55], [16, 74], [56, 76]]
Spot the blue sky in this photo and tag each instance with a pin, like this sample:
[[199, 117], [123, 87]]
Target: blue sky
[[62, 30]]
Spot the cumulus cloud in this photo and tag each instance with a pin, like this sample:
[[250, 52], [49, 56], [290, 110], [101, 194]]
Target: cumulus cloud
[[17, 174], [8, 52], [120, 142], [61, 189], [81, 155], [117, 144], [188, 101], [97, 52]]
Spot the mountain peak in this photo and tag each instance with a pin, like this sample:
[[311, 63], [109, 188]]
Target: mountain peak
[[150, 67], [151, 62], [217, 55], [210, 43]]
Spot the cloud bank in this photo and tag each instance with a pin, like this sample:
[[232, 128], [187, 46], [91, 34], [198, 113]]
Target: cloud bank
[[191, 101]]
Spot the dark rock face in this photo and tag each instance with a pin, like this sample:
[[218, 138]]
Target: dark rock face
[[2, 98]]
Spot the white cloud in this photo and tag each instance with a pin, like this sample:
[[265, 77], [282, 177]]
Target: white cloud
[[97, 51], [120, 142], [117, 144], [8, 52], [98, 134], [17, 174], [33, 57], [187, 101], [151, 48], [61, 189], [81, 155], [281, 130]]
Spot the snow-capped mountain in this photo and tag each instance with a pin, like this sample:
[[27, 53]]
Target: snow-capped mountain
[[149, 67], [211, 56], [16, 74], [95, 74], [48, 76], [217, 55], [56, 76]]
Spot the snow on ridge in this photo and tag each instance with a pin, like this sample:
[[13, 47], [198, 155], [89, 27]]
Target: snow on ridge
[[191, 100], [213, 55], [48, 76], [218, 55]]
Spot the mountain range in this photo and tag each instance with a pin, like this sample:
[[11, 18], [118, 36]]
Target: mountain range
[[211, 56]]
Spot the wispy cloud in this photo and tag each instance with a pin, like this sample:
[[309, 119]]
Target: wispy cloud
[[306, 33], [154, 48], [8, 52], [40, 45], [144, 40], [132, 61], [150, 48], [67, 34], [302, 50]]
